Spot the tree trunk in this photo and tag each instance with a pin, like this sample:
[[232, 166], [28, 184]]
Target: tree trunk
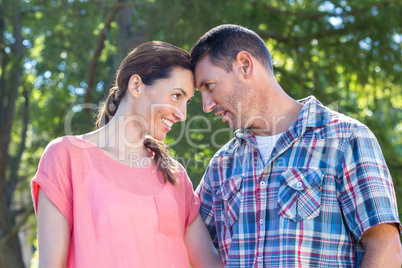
[[10, 254], [99, 47], [10, 248]]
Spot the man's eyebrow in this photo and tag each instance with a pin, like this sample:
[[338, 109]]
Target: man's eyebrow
[[203, 82]]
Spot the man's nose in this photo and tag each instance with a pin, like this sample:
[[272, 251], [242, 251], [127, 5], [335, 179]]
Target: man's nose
[[208, 103]]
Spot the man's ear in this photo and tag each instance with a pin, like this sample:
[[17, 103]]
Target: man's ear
[[135, 85], [244, 63]]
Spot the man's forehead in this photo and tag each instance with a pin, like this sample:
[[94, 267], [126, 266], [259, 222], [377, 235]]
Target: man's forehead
[[200, 72], [203, 70], [204, 62]]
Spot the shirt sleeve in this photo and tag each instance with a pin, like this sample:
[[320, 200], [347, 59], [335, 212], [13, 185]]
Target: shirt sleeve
[[54, 178], [365, 186], [204, 191], [192, 200]]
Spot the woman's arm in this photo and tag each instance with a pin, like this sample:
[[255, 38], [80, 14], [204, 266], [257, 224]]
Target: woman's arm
[[53, 234], [201, 250]]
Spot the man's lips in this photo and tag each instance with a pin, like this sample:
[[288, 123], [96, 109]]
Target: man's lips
[[219, 112], [223, 114], [224, 117]]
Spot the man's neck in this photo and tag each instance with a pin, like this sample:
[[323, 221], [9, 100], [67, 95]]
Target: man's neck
[[278, 116]]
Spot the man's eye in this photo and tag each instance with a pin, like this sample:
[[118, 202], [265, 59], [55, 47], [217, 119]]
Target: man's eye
[[208, 86], [176, 96]]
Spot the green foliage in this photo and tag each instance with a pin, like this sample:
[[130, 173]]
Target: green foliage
[[346, 53]]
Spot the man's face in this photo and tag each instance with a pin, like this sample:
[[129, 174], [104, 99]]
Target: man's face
[[224, 93]]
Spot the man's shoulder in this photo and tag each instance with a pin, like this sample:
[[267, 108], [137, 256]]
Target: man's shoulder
[[224, 157], [222, 160], [343, 127], [228, 149], [327, 123]]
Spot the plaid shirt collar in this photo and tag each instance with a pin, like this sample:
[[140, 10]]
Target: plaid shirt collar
[[313, 114]]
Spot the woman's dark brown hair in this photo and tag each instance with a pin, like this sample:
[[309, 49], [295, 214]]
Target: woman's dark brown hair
[[151, 61]]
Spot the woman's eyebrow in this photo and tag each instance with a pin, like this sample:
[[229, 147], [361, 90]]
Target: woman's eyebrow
[[182, 90]]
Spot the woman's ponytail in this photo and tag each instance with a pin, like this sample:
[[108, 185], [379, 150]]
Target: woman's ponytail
[[109, 107], [162, 159]]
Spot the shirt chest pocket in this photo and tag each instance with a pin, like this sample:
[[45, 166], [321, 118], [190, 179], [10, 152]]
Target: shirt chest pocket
[[168, 216], [299, 195], [230, 194]]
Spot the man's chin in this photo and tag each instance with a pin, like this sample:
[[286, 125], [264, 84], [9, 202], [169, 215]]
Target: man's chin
[[233, 125], [229, 121]]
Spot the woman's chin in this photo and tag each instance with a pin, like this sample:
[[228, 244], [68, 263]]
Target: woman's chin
[[159, 137]]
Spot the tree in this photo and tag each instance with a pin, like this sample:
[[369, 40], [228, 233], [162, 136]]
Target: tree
[[12, 53], [57, 55]]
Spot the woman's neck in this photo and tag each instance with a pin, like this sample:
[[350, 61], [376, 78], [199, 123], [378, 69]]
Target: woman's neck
[[122, 135]]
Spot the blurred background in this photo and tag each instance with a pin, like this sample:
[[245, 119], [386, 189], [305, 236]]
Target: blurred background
[[58, 59]]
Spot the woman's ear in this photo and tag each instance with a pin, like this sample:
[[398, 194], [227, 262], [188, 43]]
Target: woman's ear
[[134, 85], [244, 63]]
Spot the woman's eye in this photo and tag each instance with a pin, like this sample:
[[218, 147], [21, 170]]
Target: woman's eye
[[176, 96]]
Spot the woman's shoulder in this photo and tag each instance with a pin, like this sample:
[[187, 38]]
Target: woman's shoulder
[[181, 174], [67, 144], [179, 169]]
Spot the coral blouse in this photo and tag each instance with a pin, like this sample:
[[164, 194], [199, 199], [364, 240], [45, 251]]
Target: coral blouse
[[119, 216]]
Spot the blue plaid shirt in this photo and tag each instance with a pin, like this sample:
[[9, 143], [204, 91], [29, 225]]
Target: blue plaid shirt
[[325, 183]]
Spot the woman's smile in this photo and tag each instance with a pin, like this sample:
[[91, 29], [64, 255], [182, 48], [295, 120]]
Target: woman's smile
[[167, 122]]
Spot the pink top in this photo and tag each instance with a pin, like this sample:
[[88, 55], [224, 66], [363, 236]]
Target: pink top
[[119, 216]]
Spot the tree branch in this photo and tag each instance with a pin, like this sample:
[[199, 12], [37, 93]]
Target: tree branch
[[100, 45], [395, 166], [322, 34], [322, 14], [291, 13], [15, 163], [17, 226], [275, 36], [297, 41]]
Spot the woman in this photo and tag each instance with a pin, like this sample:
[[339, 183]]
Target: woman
[[114, 197]]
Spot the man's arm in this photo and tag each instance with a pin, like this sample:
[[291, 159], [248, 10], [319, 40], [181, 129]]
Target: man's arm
[[204, 191], [368, 201], [383, 248]]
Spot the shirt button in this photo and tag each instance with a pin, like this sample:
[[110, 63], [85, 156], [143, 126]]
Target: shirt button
[[263, 183], [261, 221], [299, 184], [259, 259]]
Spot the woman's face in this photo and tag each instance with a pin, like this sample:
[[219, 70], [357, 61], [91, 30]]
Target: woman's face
[[165, 102]]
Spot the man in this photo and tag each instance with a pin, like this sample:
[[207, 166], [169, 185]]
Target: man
[[299, 185]]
